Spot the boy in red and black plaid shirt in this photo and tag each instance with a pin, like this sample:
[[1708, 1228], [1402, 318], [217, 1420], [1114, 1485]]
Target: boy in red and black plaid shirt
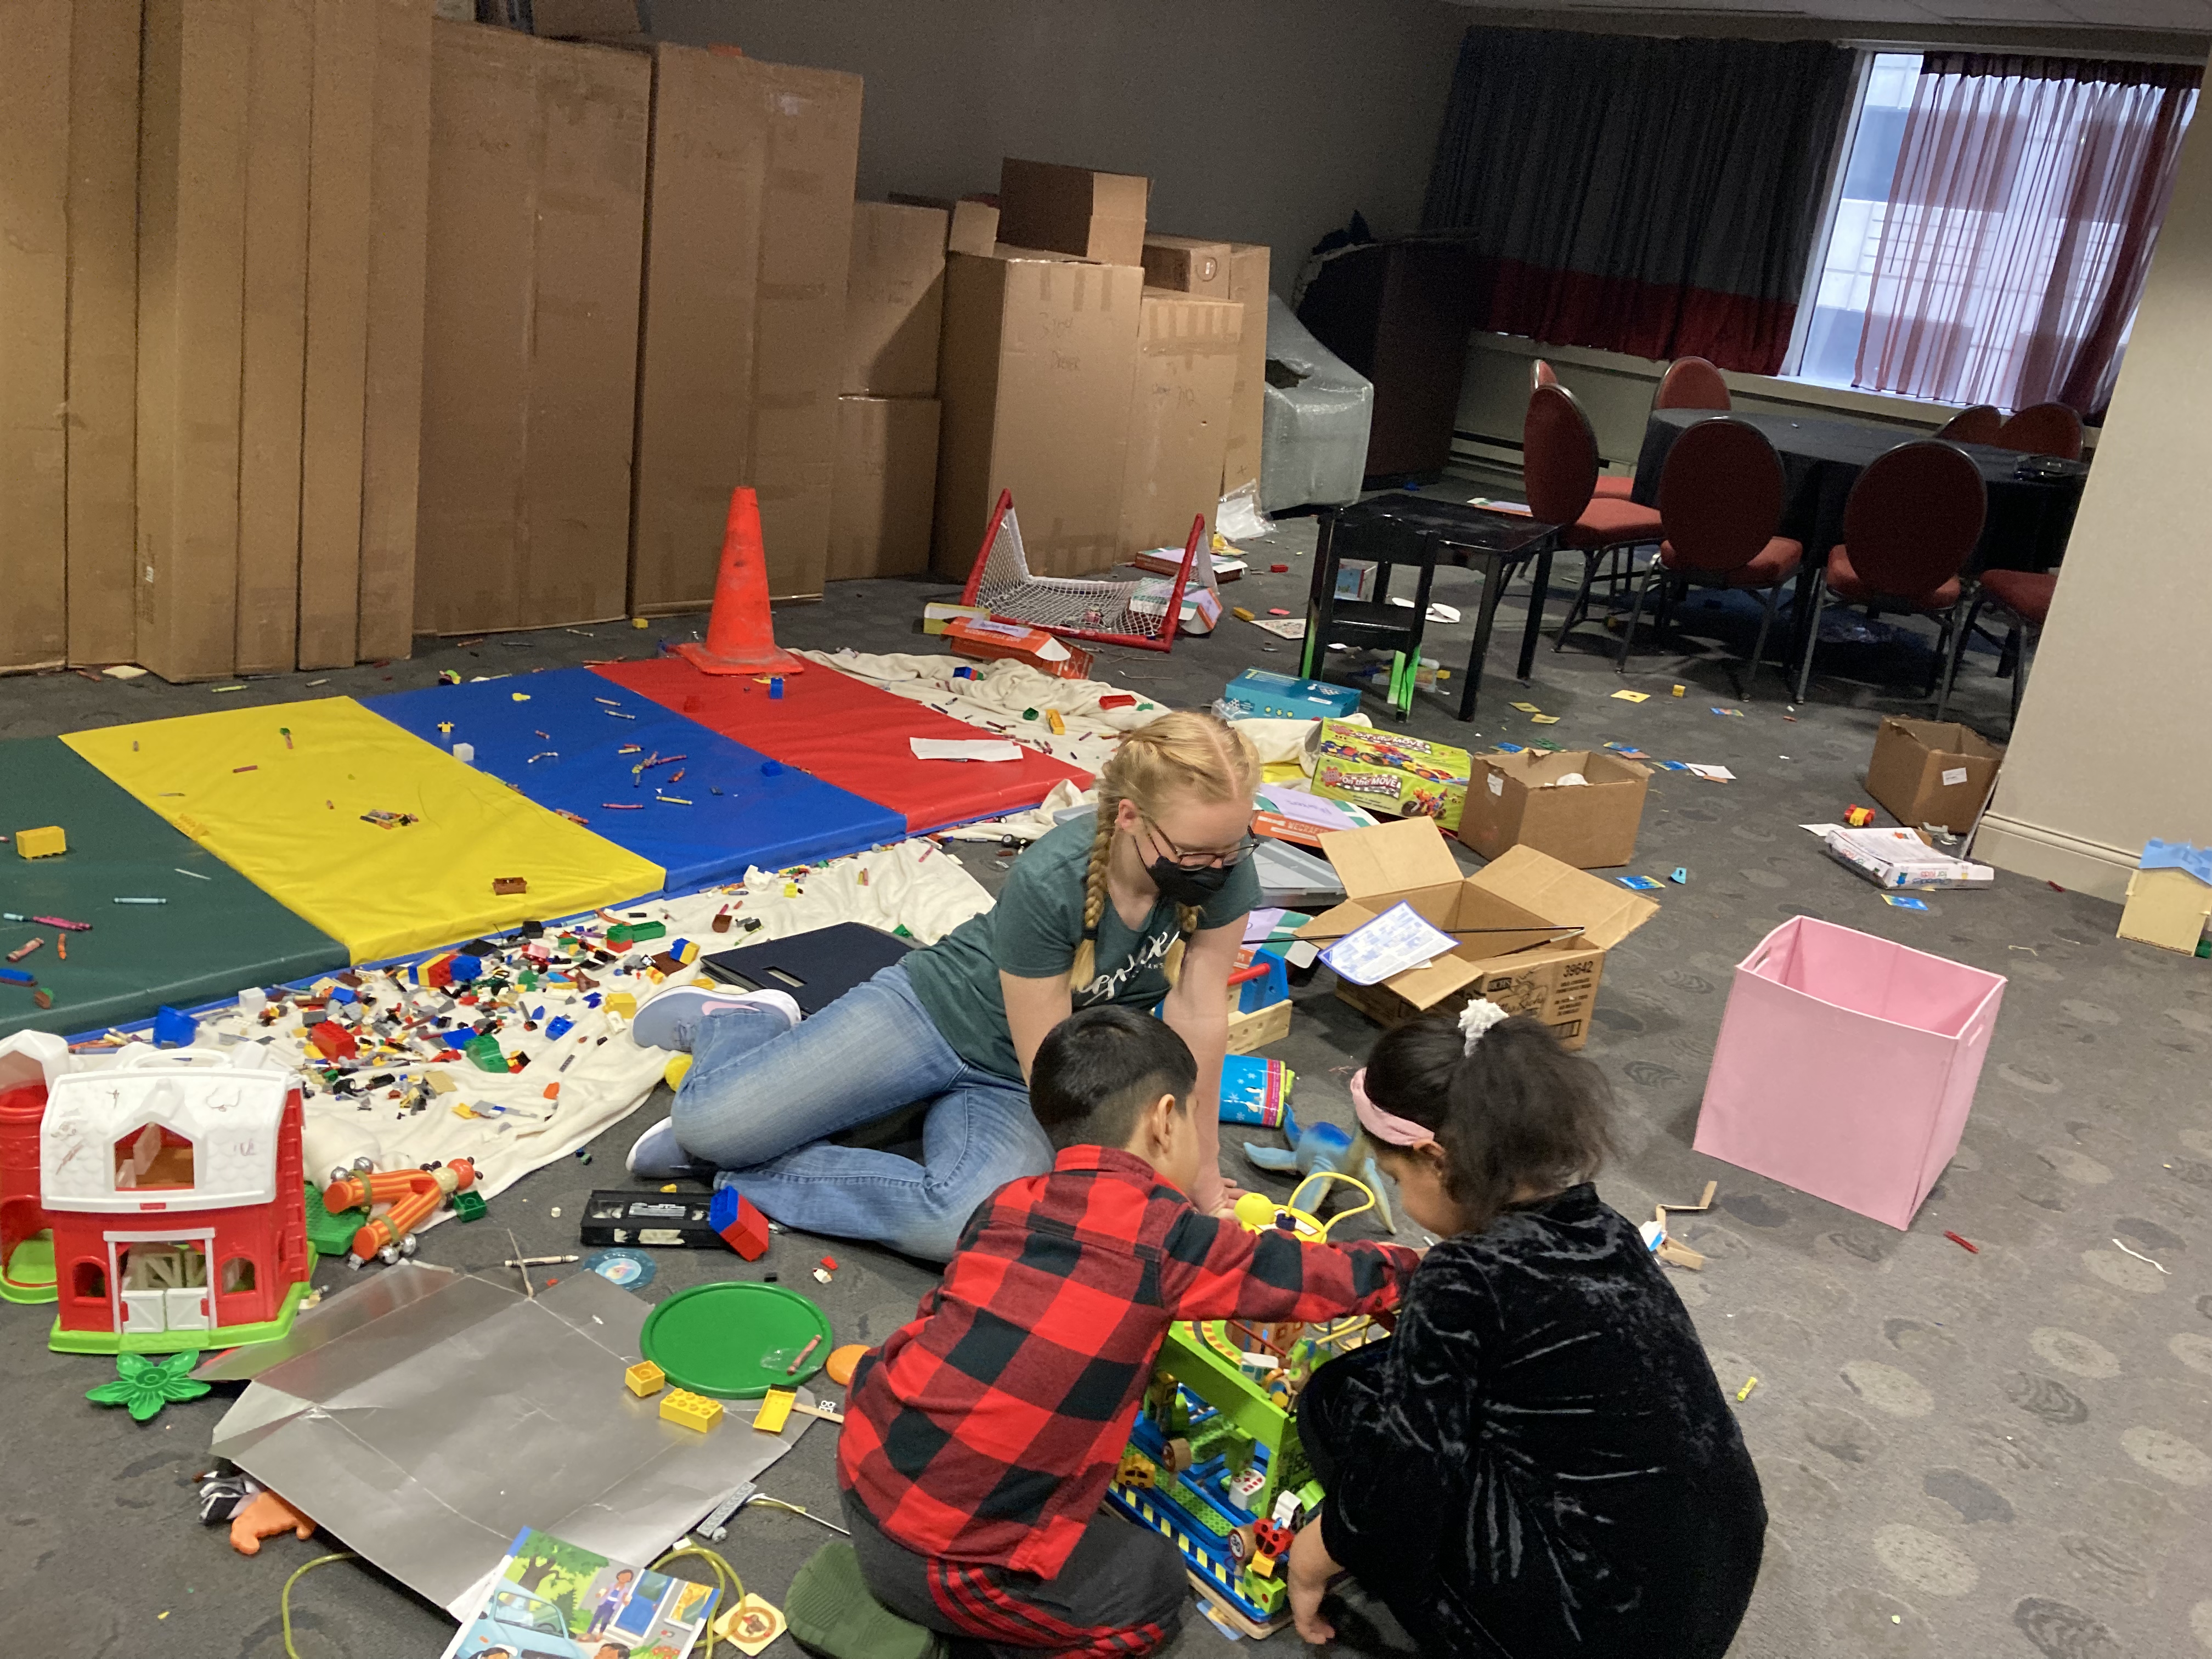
[[980, 1439]]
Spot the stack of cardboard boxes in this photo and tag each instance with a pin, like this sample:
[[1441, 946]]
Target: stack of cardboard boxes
[[1097, 372], [887, 413]]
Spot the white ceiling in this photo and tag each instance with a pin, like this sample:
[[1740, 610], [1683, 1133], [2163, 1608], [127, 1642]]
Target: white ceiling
[[2182, 16]]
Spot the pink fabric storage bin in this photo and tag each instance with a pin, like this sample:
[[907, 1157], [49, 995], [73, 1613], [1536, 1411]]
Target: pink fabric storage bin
[[1846, 1066]]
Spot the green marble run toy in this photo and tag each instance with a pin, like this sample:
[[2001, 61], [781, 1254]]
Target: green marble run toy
[[1214, 1463]]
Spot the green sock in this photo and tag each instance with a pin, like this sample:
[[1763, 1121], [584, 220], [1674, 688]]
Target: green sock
[[830, 1611]]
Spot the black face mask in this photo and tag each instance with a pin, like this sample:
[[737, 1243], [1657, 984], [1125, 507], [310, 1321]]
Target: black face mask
[[1181, 886]]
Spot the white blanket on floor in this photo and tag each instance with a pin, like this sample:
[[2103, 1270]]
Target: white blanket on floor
[[914, 884]]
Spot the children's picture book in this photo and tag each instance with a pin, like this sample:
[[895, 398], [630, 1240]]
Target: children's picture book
[[550, 1600]]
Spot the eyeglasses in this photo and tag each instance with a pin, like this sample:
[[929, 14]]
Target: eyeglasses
[[1191, 858]]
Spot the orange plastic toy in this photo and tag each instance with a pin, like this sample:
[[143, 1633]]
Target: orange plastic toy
[[841, 1362], [264, 1517], [412, 1194]]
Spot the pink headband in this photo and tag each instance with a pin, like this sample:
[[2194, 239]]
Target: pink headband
[[1393, 1131]]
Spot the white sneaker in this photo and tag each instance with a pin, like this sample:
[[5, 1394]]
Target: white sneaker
[[670, 1019]]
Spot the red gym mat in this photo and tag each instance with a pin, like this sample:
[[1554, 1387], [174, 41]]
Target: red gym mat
[[853, 735]]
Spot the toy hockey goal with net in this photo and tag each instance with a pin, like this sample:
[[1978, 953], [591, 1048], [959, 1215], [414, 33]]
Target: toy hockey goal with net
[[1113, 611]]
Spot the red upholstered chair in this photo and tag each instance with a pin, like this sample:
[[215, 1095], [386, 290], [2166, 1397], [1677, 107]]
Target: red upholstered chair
[[1720, 500], [1913, 517], [2022, 599], [2043, 430], [1615, 484], [1558, 469], [1977, 425], [1691, 383]]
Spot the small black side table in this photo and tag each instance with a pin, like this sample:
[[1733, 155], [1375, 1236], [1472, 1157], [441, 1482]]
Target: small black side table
[[1420, 531]]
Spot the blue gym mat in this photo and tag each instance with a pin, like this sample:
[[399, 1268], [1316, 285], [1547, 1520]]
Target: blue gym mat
[[558, 738]]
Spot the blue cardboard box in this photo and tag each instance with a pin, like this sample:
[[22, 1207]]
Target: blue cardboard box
[[1281, 697]]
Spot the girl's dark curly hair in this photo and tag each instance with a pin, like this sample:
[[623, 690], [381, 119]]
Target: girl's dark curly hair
[[1519, 1113]]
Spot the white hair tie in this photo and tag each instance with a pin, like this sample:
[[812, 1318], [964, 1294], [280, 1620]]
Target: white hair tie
[[1478, 1017]]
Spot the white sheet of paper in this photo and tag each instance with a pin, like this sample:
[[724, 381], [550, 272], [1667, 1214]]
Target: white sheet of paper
[[1401, 938], [964, 748], [1716, 773], [1258, 924]]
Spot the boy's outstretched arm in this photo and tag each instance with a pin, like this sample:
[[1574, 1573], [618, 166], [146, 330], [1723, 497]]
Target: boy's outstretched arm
[[1216, 1270]]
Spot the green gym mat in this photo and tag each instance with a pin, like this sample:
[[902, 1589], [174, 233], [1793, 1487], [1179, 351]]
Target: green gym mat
[[211, 937]]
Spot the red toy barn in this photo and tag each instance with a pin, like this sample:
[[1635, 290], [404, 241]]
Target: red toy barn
[[173, 1183]]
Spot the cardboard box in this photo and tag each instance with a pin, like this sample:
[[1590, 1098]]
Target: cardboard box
[[191, 228], [748, 243], [1927, 772], [391, 412], [972, 222], [1387, 771], [103, 331], [886, 486], [1515, 915], [34, 157], [1178, 418], [1518, 800], [1186, 266], [1284, 696], [1038, 359], [536, 200], [894, 301], [586, 19], [988, 640], [1074, 211]]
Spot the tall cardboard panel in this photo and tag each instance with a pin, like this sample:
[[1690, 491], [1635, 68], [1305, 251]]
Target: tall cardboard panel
[[1248, 286], [536, 227], [280, 79], [103, 333], [1179, 417], [391, 414], [191, 186], [338, 149], [35, 49]]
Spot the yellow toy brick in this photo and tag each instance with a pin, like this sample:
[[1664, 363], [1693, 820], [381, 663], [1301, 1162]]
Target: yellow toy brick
[[46, 843], [622, 1003], [775, 1410], [692, 1411], [644, 1379]]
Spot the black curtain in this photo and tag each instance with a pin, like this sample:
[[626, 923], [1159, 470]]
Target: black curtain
[[1654, 196]]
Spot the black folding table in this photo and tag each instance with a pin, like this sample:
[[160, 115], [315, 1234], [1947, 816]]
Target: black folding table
[[1420, 531]]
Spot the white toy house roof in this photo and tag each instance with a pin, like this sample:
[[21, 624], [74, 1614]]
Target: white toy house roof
[[232, 1118]]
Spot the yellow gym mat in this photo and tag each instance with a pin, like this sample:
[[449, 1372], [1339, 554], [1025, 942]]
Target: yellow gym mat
[[282, 794]]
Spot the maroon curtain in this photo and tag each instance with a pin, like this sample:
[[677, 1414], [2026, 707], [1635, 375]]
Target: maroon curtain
[[1655, 197], [2019, 226]]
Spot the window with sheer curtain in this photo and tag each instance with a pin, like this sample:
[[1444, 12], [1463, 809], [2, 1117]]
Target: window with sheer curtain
[[2002, 260]]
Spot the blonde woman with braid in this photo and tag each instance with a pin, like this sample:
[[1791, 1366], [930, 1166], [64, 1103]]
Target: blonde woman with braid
[[1142, 905]]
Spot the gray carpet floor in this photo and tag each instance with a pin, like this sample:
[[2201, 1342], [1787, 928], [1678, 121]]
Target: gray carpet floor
[[1991, 1454]]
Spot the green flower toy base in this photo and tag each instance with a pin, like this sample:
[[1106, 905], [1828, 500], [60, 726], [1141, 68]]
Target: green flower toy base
[[145, 1385]]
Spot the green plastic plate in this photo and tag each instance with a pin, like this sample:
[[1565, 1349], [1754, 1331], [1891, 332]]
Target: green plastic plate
[[733, 1340]]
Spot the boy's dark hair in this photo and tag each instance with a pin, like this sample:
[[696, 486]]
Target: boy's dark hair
[[1099, 1067], [1518, 1112]]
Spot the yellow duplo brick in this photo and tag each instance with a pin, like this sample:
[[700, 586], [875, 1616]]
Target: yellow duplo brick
[[775, 1410], [644, 1379], [44, 843], [692, 1411]]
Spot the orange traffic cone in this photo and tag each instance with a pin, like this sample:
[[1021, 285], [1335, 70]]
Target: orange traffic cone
[[740, 638]]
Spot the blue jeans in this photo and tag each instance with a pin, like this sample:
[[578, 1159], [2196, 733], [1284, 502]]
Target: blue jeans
[[761, 1097]]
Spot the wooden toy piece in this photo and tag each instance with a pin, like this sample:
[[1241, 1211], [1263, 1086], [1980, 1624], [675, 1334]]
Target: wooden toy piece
[[775, 1410], [503, 885], [1136, 1470], [264, 1517], [644, 1379], [50, 842], [691, 1410], [843, 1361], [1177, 1457]]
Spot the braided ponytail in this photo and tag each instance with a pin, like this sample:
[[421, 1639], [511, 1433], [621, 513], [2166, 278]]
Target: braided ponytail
[[1185, 752]]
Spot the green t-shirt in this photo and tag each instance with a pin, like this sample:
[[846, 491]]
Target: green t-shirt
[[1033, 933]]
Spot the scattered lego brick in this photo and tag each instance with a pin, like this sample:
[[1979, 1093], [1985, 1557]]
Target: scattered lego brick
[[644, 1379], [691, 1410]]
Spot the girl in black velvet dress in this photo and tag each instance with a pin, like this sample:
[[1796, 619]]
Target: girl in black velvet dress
[[1538, 1464]]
